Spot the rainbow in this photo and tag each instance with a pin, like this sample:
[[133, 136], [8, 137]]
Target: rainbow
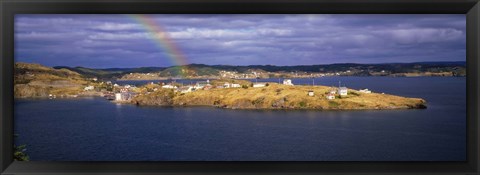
[[161, 38]]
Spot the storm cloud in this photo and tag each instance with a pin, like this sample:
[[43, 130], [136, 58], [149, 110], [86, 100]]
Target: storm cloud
[[104, 41]]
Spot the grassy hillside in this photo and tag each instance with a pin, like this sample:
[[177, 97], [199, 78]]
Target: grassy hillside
[[277, 96], [35, 80]]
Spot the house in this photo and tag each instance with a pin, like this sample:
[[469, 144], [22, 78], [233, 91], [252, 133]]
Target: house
[[88, 88], [227, 85], [123, 96], [332, 91], [330, 96], [207, 87], [342, 91], [311, 93], [185, 89], [118, 97], [231, 85], [259, 85], [287, 82], [235, 85], [169, 86], [201, 84], [365, 91]]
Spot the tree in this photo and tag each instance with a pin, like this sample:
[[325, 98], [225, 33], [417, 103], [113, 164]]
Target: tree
[[19, 152]]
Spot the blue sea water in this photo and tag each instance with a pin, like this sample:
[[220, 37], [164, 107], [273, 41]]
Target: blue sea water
[[93, 129]]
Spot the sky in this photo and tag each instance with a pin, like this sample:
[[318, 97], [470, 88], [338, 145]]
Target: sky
[[124, 41]]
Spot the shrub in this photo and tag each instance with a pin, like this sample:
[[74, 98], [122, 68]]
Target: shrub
[[333, 104], [303, 104]]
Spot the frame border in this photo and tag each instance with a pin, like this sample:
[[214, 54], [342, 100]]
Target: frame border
[[8, 8]]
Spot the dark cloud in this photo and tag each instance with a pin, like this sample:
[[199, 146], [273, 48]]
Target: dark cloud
[[121, 41]]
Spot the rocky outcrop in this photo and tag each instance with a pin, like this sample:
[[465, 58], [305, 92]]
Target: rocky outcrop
[[163, 97]]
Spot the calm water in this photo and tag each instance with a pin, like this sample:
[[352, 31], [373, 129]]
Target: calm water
[[91, 129]]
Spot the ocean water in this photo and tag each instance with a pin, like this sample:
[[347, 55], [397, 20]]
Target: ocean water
[[93, 129]]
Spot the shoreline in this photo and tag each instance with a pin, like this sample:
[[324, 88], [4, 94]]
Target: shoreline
[[209, 106], [219, 78]]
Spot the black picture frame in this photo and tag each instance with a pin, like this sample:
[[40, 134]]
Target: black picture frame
[[8, 8]]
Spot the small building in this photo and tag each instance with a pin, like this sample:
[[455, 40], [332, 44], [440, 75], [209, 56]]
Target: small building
[[169, 86], [342, 91], [118, 97], [207, 87], [330, 96], [201, 84], [365, 91], [332, 91], [287, 82], [235, 85], [231, 85], [185, 89], [311, 93], [256, 85], [89, 88]]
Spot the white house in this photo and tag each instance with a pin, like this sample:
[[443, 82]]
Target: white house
[[287, 82], [118, 97], [343, 91], [330, 96], [169, 86], [227, 85], [311, 93], [259, 85], [365, 91], [89, 88], [231, 85]]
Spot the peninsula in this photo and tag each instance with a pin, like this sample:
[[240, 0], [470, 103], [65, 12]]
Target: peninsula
[[278, 96], [37, 81]]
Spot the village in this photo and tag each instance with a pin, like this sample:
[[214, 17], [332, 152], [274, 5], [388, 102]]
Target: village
[[125, 93], [249, 74]]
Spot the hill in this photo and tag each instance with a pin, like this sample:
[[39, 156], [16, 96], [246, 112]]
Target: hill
[[35, 80], [270, 71]]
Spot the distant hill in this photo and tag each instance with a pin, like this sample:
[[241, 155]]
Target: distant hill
[[109, 73], [355, 69]]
